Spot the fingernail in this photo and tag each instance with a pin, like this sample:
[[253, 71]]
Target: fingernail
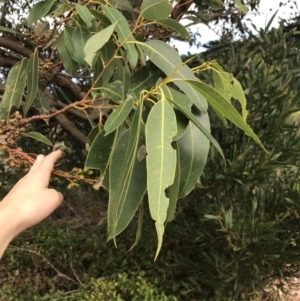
[[38, 159]]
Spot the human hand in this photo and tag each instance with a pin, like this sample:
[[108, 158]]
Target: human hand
[[30, 201]]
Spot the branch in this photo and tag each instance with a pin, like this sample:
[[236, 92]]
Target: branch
[[15, 46], [8, 61]]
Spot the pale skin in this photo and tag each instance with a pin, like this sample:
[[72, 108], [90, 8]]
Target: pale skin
[[30, 200]]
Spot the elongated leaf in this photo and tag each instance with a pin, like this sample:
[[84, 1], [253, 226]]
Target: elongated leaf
[[168, 60], [127, 177], [80, 36], [155, 9], [67, 61], [223, 107], [122, 4], [100, 153], [173, 25], [187, 112], [140, 225], [192, 149], [97, 41], [117, 117], [69, 42], [108, 51], [182, 123], [41, 101], [37, 136], [7, 29], [113, 91], [229, 87], [161, 162], [40, 10], [174, 190], [32, 80], [100, 17], [84, 14], [242, 7], [14, 88], [124, 33]]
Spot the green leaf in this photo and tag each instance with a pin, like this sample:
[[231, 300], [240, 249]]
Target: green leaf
[[174, 190], [155, 9], [140, 225], [168, 60], [113, 91], [144, 79], [127, 177], [124, 33], [192, 149], [177, 102], [32, 80], [173, 25], [97, 41], [67, 61], [41, 101], [161, 162], [84, 14], [69, 42], [3, 28], [14, 88], [122, 4], [80, 36], [117, 117], [225, 108], [229, 87], [100, 153], [39, 10], [37, 136], [182, 123], [242, 7], [100, 17]]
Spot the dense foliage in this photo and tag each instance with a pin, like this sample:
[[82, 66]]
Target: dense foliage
[[143, 108]]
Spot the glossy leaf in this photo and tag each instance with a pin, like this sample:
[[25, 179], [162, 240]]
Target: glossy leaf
[[68, 63], [173, 25], [97, 41], [168, 60], [39, 10], [37, 136], [32, 80], [127, 177], [124, 33], [84, 14], [118, 116], [14, 89], [225, 108], [161, 162], [192, 149], [155, 9], [186, 111], [80, 36]]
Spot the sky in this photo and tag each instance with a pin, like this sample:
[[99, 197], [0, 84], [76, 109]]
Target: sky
[[260, 20]]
